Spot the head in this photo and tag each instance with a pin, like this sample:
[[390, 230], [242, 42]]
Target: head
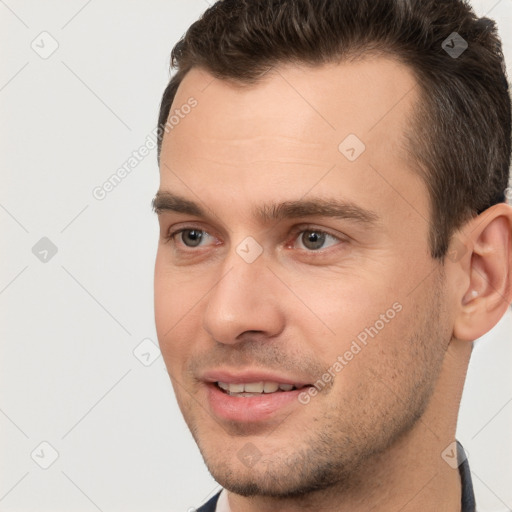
[[330, 145]]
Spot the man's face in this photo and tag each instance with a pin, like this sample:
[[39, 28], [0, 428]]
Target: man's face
[[280, 298]]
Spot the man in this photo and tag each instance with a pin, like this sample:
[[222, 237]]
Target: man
[[334, 236]]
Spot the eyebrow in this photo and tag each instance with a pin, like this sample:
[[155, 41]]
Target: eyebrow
[[313, 207]]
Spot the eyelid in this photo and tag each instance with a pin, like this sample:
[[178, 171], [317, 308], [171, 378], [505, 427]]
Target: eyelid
[[174, 231], [295, 231], [313, 228]]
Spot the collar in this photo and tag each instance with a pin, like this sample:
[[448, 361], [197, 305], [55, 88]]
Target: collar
[[468, 495]]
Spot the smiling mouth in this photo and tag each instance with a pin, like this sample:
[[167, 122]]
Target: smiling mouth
[[248, 389]]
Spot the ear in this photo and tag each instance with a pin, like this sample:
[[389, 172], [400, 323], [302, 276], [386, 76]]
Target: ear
[[483, 254]]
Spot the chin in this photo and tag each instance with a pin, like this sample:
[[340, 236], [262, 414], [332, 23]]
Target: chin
[[278, 476]]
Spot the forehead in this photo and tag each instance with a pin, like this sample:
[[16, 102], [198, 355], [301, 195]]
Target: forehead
[[311, 104], [336, 127]]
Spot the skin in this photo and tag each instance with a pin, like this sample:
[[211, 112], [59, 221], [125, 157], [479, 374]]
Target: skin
[[373, 438]]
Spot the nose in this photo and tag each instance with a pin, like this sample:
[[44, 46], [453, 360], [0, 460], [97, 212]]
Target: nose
[[246, 299]]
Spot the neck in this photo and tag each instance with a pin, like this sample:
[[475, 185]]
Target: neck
[[411, 474]]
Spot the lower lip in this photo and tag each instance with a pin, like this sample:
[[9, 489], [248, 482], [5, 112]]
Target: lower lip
[[249, 408]]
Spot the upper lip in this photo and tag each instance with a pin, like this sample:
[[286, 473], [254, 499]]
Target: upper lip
[[246, 376]]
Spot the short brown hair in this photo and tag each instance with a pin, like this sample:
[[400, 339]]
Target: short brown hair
[[461, 131]]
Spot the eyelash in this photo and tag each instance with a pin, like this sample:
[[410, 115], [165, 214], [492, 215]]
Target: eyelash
[[299, 230]]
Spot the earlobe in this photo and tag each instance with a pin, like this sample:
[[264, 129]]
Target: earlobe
[[487, 267]]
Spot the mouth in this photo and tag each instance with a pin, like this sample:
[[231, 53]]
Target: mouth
[[253, 402], [252, 389], [252, 395]]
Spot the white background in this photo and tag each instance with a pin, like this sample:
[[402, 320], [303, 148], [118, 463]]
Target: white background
[[68, 374]]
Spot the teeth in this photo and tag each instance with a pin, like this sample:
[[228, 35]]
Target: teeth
[[270, 387], [254, 387], [236, 388]]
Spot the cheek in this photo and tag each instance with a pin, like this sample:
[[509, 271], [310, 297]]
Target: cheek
[[166, 307], [171, 295], [173, 305], [338, 311], [375, 376]]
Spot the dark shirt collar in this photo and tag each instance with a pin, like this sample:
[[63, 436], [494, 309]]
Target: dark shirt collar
[[468, 495]]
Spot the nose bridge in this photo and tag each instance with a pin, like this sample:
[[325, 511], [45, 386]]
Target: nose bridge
[[243, 299]]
